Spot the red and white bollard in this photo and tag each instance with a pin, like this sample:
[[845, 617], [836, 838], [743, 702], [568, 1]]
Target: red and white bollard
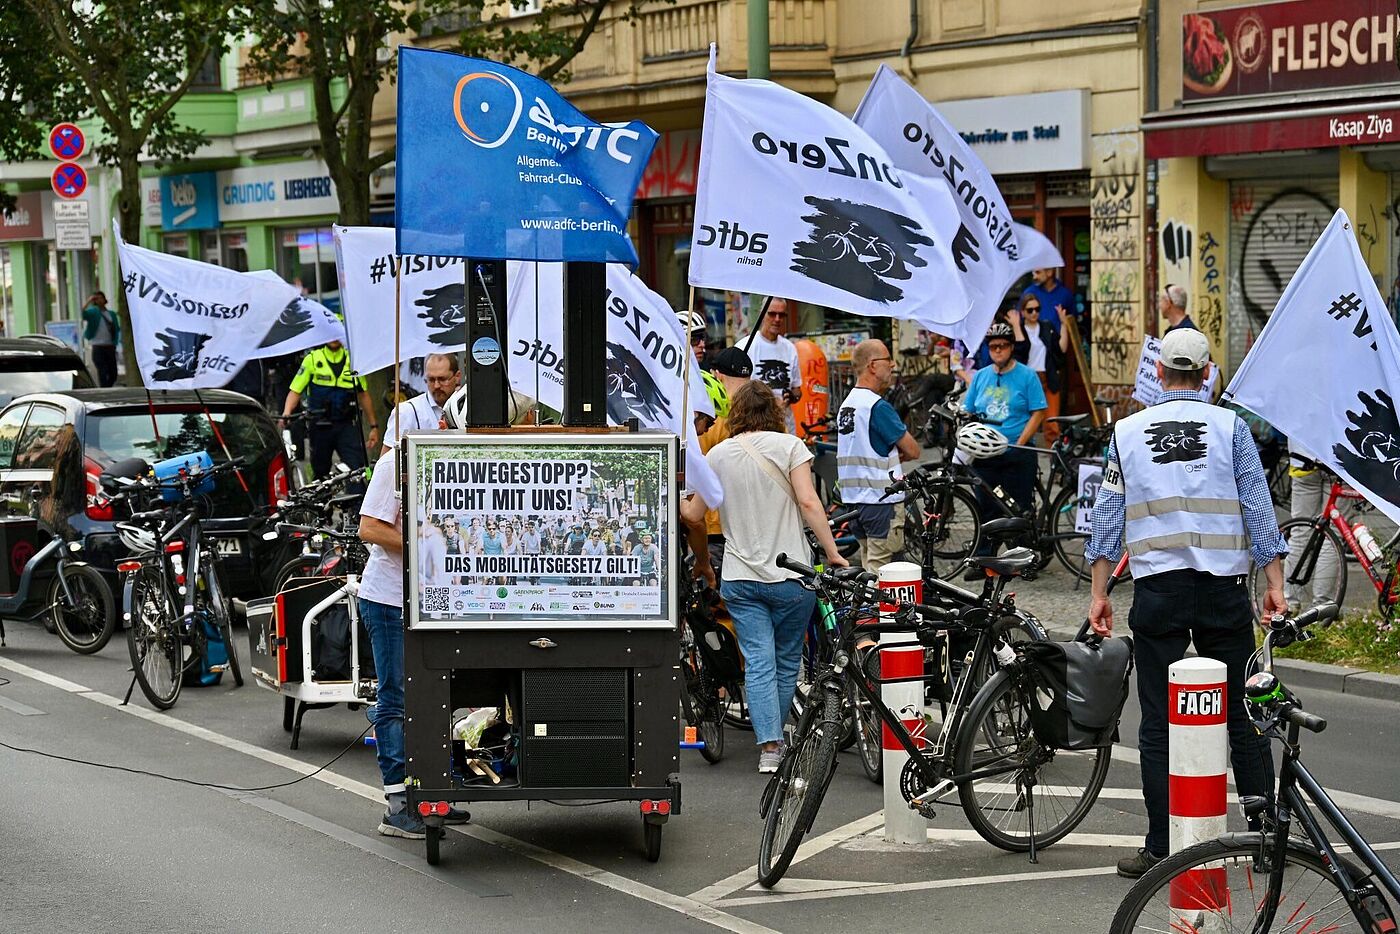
[[901, 582], [1198, 753]]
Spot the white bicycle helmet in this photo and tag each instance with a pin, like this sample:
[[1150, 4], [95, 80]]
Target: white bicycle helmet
[[692, 321], [980, 441], [454, 410], [137, 540]]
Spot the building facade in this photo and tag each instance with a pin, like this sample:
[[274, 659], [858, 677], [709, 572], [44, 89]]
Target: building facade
[[1268, 118]]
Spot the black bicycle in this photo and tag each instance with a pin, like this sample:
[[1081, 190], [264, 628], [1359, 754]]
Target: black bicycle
[[71, 598], [1279, 878]]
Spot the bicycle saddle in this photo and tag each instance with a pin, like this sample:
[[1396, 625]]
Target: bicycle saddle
[[1009, 564], [1002, 530], [129, 468], [1101, 402], [1069, 419]]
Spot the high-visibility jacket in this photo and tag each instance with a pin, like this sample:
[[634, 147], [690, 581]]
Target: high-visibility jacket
[[332, 384], [863, 472]]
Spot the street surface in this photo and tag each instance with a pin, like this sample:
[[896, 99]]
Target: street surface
[[96, 850]]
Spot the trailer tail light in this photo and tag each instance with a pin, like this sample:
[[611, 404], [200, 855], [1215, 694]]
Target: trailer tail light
[[99, 507], [433, 808], [662, 806], [127, 567]]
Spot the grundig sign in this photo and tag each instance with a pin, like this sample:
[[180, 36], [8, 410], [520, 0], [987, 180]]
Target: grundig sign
[[1291, 46]]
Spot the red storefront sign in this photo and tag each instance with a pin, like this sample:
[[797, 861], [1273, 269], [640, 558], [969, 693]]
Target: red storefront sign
[[1291, 46], [1271, 134], [26, 221]]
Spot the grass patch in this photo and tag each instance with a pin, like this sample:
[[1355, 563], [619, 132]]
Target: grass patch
[[1360, 640]]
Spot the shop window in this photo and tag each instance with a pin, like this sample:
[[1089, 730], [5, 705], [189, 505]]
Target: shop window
[[176, 245], [234, 250], [7, 294], [47, 296], [307, 255]]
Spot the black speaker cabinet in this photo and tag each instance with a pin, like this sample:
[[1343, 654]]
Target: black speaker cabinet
[[586, 356], [575, 728], [488, 386]]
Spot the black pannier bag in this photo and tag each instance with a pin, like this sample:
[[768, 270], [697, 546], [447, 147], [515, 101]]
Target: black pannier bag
[[719, 650], [1080, 689]]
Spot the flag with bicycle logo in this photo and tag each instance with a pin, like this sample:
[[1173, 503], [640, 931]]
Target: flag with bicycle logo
[[1332, 328], [794, 199]]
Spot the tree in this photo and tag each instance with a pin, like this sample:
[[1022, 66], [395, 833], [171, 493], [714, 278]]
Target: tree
[[347, 42], [126, 62]]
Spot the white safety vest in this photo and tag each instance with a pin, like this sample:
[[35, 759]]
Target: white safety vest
[[863, 473], [1182, 506]]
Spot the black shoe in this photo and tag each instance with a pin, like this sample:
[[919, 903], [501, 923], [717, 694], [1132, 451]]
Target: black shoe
[[1131, 867]]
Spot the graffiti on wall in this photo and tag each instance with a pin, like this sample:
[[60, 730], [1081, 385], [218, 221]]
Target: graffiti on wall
[[1209, 305], [1115, 225]]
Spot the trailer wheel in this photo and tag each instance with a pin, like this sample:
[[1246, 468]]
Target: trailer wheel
[[651, 833], [289, 710]]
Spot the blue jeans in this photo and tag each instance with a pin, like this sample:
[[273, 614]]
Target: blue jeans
[[385, 625], [771, 620]]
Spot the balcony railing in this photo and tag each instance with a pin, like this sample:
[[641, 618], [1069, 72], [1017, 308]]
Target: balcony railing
[[687, 29]]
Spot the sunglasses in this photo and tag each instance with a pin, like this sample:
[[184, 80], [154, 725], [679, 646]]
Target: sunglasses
[[998, 345], [1031, 308]]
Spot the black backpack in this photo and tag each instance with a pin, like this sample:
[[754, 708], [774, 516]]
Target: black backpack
[[719, 649], [1080, 689]]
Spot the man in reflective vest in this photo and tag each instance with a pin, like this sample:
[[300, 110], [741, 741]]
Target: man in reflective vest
[[871, 443], [332, 392], [1185, 490]]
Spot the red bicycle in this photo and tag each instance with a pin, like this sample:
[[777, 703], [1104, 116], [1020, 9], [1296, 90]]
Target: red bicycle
[[1319, 548]]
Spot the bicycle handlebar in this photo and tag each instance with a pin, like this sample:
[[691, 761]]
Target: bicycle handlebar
[[286, 527], [1308, 721]]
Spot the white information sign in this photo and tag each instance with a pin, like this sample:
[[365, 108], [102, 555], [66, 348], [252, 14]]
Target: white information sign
[[72, 229], [1148, 389]]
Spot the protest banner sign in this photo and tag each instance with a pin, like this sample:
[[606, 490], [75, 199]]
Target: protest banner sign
[[1147, 388], [794, 199], [1089, 480], [494, 164], [990, 251], [1325, 371]]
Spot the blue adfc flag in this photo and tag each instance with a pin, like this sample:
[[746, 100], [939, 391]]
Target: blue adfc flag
[[494, 164]]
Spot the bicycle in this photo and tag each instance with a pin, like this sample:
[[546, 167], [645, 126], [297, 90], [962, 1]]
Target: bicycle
[[710, 667], [986, 749], [172, 557], [77, 603], [871, 251], [1317, 543], [1292, 881]]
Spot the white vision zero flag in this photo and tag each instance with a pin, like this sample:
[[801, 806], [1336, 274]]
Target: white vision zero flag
[[1332, 324], [989, 250], [794, 199], [194, 325]]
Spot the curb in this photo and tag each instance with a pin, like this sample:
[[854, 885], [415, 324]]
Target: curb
[[1318, 676]]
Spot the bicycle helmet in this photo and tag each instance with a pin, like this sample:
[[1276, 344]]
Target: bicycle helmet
[[979, 441], [137, 540], [1000, 330], [454, 410], [692, 321], [718, 396]]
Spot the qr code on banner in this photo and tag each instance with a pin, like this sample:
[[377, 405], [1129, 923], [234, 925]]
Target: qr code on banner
[[435, 599]]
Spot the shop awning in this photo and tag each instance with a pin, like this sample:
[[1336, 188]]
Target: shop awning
[[1284, 126]]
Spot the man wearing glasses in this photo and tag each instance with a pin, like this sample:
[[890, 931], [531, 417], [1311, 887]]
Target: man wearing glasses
[[1171, 304], [424, 412], [775, 360], [871, 443]]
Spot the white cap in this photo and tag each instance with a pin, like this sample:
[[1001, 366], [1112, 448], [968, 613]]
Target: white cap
[[1185, 349]]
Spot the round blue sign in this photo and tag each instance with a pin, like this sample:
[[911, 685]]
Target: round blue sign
[[485, 351]]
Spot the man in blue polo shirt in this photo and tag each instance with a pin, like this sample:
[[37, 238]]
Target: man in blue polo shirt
[[1055, 297], [1008, 395]]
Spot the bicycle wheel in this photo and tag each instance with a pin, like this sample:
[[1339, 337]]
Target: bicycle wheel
[[299, 566], [1069, 545], [153, 637], [219, 609], [1313, 571], [86, 624], [1058, 786], [1213, 886], [869, 733], [942, 530], [794, 794]]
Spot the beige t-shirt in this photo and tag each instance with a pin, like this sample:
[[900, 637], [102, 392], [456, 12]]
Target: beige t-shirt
[[760, 519]]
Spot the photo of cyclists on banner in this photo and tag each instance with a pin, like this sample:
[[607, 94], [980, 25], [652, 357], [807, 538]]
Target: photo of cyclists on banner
[[512, 532]]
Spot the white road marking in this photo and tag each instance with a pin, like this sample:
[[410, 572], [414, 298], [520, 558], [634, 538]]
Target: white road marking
[[678, 903], [744, 878], [779, 894], [968, 835], [24, 710]]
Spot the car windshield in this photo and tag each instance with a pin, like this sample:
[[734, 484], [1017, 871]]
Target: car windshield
[[111, 436], [16, 383]]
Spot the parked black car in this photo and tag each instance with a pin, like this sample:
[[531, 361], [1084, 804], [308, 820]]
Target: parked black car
[[39, 363], [37, 469]]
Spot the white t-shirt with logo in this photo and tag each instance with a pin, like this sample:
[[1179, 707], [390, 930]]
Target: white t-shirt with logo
[[776, 364]]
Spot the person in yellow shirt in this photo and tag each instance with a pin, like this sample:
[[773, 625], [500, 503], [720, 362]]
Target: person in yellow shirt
[[333, 392]]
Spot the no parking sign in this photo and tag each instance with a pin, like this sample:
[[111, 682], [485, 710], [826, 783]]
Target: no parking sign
[[69, 180], [66, 142]]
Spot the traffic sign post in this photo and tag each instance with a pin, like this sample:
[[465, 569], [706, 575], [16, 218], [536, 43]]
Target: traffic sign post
[[66, 142], [69, 180]]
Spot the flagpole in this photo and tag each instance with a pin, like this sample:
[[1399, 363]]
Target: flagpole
[[687, 415], [398, 420], [753, 328]]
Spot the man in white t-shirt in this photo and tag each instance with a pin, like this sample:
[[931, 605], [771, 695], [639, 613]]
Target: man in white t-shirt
[[381, 610], [774, 357], [424, 412]]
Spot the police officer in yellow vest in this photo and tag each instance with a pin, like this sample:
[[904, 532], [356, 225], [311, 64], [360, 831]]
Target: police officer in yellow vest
[[1184, 490], [331, 403]]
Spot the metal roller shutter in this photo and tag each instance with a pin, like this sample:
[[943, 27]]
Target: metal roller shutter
[[1273, 224]]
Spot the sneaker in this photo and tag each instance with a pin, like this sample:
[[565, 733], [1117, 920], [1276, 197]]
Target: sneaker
[[768, 761], [1130, 867], [403, 824], [457, 816]]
